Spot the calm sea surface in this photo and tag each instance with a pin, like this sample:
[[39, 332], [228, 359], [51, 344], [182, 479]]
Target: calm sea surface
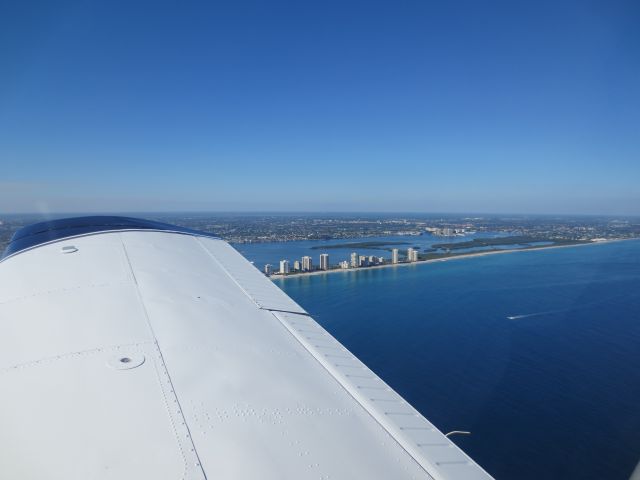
[[536, 353]]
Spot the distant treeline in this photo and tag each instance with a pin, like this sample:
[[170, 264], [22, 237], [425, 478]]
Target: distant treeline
[[492, 242]]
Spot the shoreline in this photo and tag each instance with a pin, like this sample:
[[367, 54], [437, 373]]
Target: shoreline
[[445, 259]]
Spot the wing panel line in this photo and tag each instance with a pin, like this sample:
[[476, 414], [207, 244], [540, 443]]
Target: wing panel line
[[170, 391], [410, 445], [293, 333]]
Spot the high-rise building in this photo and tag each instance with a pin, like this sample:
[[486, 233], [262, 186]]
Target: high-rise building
[[296, 266], [381, 260], [354, 260], [324, 261], [414, 256], [284, 267], [344, 264], [410, 254], [363, 261], [267, 269], [307, 264], [373, 260], [394, 255]]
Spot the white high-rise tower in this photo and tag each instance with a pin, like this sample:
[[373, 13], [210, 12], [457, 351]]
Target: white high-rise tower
[[284, 267], [324, 261]]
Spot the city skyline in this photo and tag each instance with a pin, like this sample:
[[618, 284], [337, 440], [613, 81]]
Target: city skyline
[[306, 265], [528, 108]]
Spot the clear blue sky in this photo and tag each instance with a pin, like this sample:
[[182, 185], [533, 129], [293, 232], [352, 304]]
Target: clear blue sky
[[320, 106]]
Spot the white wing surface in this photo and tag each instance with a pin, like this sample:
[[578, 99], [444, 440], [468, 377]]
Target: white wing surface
[[137, 354]]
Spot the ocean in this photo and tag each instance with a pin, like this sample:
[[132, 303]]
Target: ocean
[[537, 353]]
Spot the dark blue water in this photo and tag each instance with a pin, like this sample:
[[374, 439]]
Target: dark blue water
[[552, 393]]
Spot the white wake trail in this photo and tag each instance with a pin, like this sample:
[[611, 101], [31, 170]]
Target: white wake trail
[[536, 314], [575, 307]]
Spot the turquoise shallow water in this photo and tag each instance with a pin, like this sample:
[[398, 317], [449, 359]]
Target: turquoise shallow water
[[536, 353]]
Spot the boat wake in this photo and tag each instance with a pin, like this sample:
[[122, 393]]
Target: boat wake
[[536, 314], [570, 309]]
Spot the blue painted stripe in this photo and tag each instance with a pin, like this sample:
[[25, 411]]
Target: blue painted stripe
[[44, 232]]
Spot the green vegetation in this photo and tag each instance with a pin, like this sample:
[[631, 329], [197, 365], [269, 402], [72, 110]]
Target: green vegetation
[[492, 242], [450, 252]]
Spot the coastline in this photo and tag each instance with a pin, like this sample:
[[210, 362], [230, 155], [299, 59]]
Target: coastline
[[446, 259]]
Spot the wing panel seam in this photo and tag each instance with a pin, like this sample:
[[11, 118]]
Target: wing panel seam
[[172, 390], [227, 272], [66, 355], [302, 343]]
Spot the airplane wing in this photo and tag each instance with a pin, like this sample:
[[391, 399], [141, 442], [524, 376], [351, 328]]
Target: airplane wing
[[133, 350]]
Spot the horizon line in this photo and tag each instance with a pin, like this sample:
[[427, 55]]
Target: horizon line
[[311, 212]]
